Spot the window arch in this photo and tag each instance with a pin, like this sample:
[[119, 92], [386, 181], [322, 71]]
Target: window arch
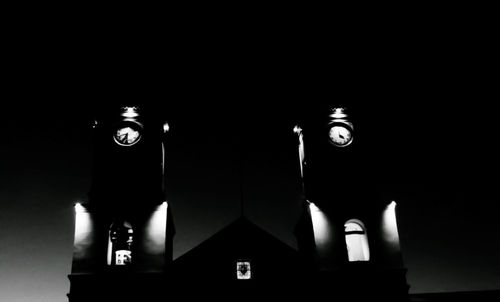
[[356, 241], [120, 239]]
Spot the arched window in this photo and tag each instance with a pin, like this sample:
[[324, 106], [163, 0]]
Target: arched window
[[356, 241], [121, 237]]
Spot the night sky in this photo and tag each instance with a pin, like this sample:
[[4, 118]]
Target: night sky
[[231, 108]]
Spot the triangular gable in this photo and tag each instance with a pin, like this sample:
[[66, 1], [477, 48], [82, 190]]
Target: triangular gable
[[216, 259]]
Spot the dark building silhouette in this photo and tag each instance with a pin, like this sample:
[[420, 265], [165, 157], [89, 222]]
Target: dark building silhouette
[[481, 296], [241, 259], [348, 242], [348, 233], [123, 233]]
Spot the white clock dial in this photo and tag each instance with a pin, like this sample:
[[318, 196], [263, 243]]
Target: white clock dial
[[340, 135], [128, 134]]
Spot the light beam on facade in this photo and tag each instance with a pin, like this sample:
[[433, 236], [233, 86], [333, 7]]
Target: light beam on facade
[[83, 229], [322, 228], [390, 226], [156, 230]]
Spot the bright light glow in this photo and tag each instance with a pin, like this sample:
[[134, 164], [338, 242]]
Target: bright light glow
[[166, 127], [297, 129], [163, 159], [130, 112], [243, 270], [109, 254], [301, 153], [83, 230], [390, 226], [79, 208], [338, 113], [356, 241], [322, 228], [156, 230]]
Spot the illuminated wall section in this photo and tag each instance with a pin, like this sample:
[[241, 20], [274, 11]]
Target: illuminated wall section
[[324, 238], [154, 239], [156, 230], [91, 231], [83, 240], [83, 230], [390, 236], [298, 131]]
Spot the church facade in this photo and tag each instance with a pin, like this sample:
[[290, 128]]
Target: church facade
[[348, 242]]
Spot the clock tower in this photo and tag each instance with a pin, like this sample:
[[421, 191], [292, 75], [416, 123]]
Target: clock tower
[[124, 231], [348, 231]]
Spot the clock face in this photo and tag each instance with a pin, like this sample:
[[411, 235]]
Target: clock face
[[128, 134], [340, 135]]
